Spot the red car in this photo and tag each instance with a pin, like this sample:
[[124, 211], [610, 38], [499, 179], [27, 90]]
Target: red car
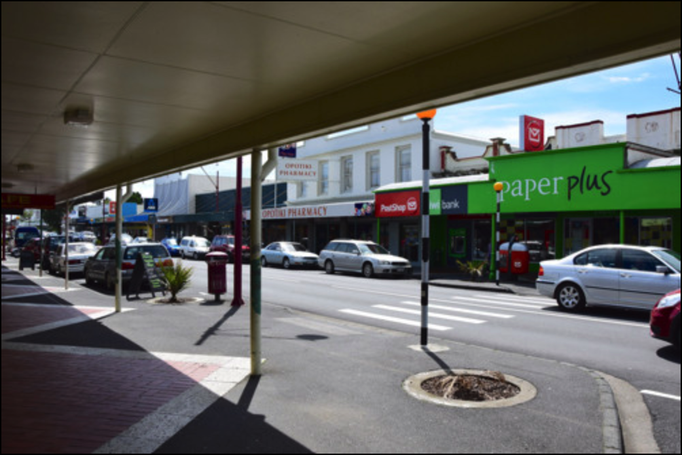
[[226, 243], [665, 319]]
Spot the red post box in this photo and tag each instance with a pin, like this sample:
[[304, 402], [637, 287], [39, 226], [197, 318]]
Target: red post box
[[217, 273], [520, 259]]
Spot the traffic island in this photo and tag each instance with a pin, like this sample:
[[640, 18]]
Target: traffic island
[[469, 388]]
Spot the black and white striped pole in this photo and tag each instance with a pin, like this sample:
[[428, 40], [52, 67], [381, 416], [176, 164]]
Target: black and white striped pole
[[498, 189], [426, 167]]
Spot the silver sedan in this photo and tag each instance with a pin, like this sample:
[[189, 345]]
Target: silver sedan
[[611, 275], [288, 254]]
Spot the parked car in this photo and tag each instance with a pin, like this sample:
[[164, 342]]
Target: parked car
[[79, 253], [49, 245], [363, 257], [194, 247], [32, 246], [125, 239], [665, 319], [85, 236], [102, 266], [225, 243], [611, 275], [171, 244], [288, 254], [23, 234]]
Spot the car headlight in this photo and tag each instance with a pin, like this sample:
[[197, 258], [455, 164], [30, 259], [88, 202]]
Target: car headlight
[[384, 262], [669, 301]]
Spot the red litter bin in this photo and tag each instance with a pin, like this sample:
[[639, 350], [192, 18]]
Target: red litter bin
[[520, 259], [217, 273]]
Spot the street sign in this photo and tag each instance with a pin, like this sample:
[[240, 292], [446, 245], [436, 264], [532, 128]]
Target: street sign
[[151, 204]]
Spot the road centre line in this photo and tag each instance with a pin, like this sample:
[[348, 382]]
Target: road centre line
[[537, 312], [462, 310], [660, 395], [431, 314], [438, 328]]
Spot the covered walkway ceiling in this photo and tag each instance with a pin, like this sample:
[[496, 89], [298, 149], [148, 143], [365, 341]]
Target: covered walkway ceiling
[[173, 85]]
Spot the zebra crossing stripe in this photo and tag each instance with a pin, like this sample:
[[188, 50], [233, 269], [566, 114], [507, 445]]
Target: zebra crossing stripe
[[431, 314], [462, 310], [439, 328]]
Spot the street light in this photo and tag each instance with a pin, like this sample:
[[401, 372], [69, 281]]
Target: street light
[[425, 117], [498, 190]]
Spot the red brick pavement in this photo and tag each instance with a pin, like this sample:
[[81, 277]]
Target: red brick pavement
[[74, 403]]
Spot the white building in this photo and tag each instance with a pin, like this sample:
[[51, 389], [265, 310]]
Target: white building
[[350, 166]]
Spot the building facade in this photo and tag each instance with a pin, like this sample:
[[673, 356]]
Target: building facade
[[556, 201]]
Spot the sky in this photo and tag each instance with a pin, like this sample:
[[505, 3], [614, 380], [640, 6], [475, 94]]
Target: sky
[[609, 95]]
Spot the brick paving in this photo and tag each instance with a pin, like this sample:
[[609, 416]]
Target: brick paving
[[76, 399]]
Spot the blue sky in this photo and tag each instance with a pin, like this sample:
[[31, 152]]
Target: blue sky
[[609, 95]]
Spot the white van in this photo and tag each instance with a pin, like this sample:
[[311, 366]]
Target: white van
[[194, 247]]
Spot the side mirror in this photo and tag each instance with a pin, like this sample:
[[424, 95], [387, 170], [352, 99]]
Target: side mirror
[[662, 269]]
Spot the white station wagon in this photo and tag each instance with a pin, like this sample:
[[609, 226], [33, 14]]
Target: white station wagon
[[611, 275]]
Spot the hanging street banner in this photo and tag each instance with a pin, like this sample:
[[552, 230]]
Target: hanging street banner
[[297, 170], [287, 151]]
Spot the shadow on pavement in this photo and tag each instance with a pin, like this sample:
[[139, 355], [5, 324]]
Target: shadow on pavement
[[228, 428]]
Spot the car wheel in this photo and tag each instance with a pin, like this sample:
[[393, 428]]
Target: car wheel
[[329, 267], [196, 255], [675, 333], [368, 270], [88, 280], [570, 297], [182, 254], [286, 263], [263, 261]]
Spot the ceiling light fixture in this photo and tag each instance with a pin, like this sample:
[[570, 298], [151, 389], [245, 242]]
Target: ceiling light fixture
[[24, 167], [78, 117]]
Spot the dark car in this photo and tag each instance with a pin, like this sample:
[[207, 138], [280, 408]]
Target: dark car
[[225, 243], [665, 319], [102, 266]]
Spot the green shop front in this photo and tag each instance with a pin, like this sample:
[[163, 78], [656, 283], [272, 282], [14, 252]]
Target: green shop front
[[555, 202]]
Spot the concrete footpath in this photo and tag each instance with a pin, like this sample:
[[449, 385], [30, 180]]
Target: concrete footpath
[[78, 378]]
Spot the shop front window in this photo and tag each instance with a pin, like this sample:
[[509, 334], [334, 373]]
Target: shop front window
[[656, 232], [536, 234], [409, 242], [481, 241]]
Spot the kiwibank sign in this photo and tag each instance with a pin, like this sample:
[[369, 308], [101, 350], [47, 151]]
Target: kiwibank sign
[[579, 179]]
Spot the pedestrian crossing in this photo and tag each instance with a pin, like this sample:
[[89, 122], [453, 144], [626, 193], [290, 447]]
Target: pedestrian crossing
[[445, 315]]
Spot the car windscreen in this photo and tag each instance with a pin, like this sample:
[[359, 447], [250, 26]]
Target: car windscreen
[[371, 248], [670, 257], [293, 247], [157, 251]]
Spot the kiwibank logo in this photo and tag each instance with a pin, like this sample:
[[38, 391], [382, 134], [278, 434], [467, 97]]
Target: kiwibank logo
[[449, 200]]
